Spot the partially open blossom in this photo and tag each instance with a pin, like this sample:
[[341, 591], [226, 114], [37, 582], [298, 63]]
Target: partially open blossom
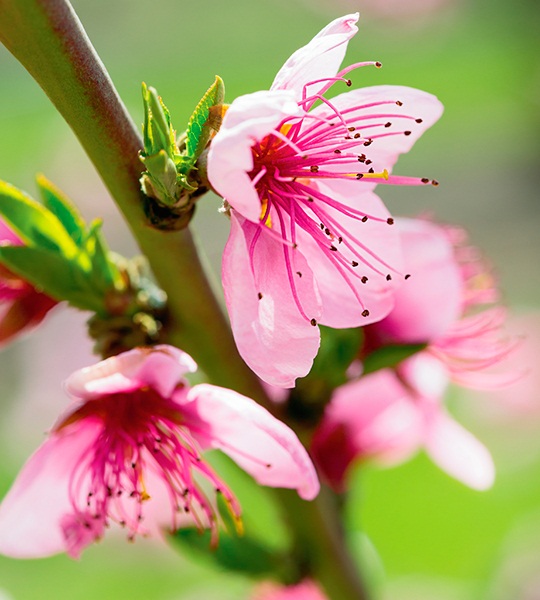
[[310, 242], [388, 415], [305, 590], [21, 305], [128, 450]]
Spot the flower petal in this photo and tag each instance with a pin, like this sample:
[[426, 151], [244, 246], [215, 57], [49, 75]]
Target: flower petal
[[429, 302], [249, 119], [8, 236], [33, 509], [261, 444], [161, 367], [271, 334], [319, 59], [371, 418], [23, 313], [458, 452], [384, 150], [344, 296]]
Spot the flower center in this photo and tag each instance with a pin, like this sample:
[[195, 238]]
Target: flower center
[[294, 167]]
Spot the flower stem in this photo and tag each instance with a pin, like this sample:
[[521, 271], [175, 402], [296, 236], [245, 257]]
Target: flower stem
[[48, 39], [321, 546]]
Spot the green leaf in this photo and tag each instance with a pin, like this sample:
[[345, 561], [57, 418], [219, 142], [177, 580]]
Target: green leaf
[[200, 126], [240, 554], [33, 222], [105, 273], [158, 133], [63, 208], [53, 274], [390, 356], [339, 347]]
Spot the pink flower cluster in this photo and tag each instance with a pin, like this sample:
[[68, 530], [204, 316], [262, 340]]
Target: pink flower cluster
[[310, 244]]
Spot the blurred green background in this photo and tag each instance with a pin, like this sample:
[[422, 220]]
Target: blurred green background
[[428, 537]]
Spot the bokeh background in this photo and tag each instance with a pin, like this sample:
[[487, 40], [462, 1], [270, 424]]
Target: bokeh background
[[423, 535]]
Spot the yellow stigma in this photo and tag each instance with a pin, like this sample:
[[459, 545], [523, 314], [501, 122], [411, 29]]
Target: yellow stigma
[[264, 207]]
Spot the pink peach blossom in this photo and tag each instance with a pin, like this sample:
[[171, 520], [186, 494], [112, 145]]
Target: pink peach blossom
[[310, 242], [128, 450], [21, 305]]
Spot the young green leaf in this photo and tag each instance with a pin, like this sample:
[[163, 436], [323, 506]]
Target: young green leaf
[[244, 555], [199, 130], [36, 225], [62, 208], [51, 273], [104, 272]]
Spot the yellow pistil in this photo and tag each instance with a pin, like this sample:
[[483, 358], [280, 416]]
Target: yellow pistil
[[264, 207]]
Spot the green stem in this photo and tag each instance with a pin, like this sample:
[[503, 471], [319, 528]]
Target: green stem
[[49, 40], [321, 545]]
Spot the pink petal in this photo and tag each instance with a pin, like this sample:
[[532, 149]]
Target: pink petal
[[23, 313], [458, 452], [374, 417], [272, 336], [32, 511], [428, 303], [319, 59], [425, 375], [344, 296], [384, 151], [249, 119], [8, 236], [261, 444], [161, 367]]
